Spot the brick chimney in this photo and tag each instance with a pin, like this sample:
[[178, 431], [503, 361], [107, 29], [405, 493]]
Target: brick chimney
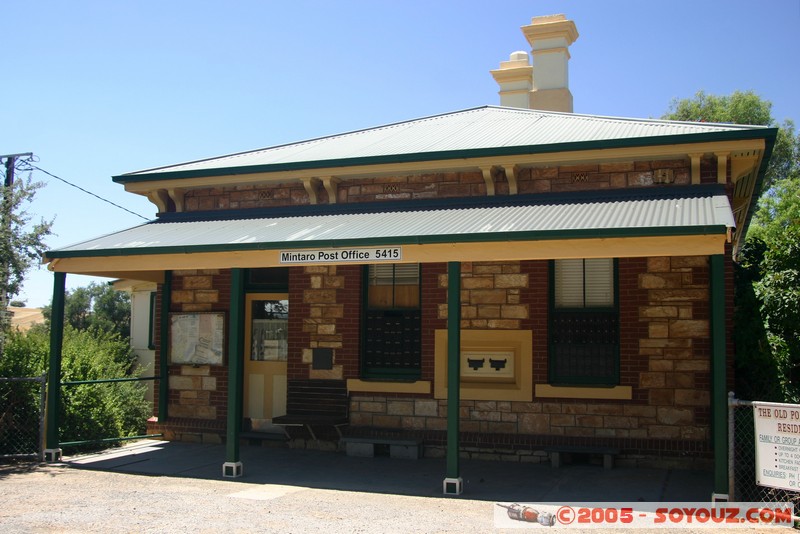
[[545, 85]]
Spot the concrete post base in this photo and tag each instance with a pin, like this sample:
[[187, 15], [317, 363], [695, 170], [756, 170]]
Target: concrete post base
[[453, 486], [52, 455], [232, 469]]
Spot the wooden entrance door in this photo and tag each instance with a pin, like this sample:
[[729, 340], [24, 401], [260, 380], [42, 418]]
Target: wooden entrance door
[[266, 350]]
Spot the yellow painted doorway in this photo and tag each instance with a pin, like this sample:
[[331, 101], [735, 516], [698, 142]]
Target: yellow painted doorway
[[266, 350]]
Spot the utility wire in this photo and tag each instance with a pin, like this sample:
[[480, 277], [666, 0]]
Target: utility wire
[[32, 166]]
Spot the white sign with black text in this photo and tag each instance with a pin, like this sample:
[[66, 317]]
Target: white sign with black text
[[777, 428], [342, 255]]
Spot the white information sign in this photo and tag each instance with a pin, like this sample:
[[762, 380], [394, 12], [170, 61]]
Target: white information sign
[[777, 429], [342, 255]]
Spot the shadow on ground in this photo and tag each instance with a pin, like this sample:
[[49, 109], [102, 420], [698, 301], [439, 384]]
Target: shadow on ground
[[483, 480]]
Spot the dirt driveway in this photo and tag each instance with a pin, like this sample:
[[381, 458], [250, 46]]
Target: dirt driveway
[[62, 498], [65, 499], [160, 486]]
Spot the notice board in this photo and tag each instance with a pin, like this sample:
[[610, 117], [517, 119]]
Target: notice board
[[197, 338]]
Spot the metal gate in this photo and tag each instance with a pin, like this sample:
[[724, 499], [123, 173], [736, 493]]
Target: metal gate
[[22, 416], [742, 459]]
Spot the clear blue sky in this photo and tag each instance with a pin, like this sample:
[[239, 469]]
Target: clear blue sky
[[100, 88]]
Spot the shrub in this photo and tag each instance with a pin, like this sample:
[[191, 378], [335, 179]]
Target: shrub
[[87, 411]]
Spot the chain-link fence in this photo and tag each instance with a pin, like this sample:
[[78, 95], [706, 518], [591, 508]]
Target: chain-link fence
[[742, 459], [22, 416]]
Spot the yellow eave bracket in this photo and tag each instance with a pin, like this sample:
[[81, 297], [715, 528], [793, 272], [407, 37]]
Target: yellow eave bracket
[[330, 183], [160, 198], [511, 177], [310, 185], [488, 178], [722, 166]]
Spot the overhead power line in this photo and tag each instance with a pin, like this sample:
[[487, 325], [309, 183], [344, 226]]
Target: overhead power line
[[30, 165]]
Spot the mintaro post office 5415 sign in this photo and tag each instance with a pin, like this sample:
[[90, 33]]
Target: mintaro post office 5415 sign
[[342, 255]]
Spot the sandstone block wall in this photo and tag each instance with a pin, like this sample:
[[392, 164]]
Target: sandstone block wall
[[325, 310], [198, 396]]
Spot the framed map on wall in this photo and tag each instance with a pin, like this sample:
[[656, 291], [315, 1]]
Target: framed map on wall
[[197, 338]]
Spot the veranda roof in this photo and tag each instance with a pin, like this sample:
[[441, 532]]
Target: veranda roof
[[697, 210]]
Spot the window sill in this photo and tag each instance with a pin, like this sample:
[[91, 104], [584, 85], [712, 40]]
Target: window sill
[[585, 392], [388, 386]]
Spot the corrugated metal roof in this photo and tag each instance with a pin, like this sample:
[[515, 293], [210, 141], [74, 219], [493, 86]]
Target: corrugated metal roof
[[534, 220], [475, 129]]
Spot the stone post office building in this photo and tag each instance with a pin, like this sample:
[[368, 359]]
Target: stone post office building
[[505, 282]]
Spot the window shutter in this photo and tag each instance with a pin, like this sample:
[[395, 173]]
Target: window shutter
[[406, 274], [381, 274], [386, 274], [569, 283], [599, 279]]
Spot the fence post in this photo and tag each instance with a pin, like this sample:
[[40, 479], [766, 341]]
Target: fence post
[[42, 405], [52, 453], [731, 446]]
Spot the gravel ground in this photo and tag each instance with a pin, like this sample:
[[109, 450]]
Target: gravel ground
[[59, 498], [46, 498]]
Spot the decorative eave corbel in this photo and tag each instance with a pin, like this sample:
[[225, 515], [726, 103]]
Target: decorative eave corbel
[[330, 183], [490, 173], [160, 198], [311, 185], [696, 157], [177, 196], [488, 178], [511, 178], [722, 166]]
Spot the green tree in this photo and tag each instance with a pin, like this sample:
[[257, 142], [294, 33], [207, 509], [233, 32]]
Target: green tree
[[97, 307], [777, 226], [742, 107], [767, 315], [21, 242]]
